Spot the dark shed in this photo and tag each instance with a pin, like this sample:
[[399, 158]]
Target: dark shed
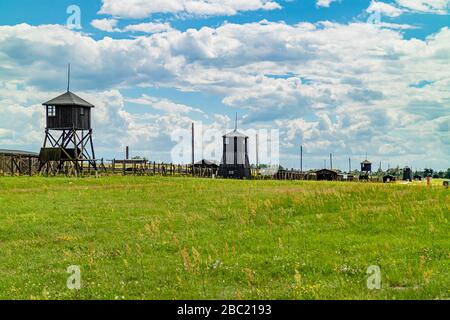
[[327, 175], [207, 164]]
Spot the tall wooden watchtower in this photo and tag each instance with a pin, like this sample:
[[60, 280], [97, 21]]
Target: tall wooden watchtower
[[235, 161], [366, 169], [68, 132]]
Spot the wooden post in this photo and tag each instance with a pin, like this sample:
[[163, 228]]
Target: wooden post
[[301, 158], [193, 149], [257, 151], [30, 166], [76, 150]]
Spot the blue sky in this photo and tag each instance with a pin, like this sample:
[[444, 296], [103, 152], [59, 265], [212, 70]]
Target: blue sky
[[347, 77]]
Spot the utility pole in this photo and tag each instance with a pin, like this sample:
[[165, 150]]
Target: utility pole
[[127, 153], [331, 161], [257, 151], [68, 78], [193, 148], [349, 165], [301, 158]]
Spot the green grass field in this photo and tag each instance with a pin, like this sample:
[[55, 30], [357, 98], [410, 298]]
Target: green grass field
[[181, 238]]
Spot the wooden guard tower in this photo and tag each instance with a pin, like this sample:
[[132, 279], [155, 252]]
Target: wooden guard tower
[[68, 132], [235, 161], [366, 169]]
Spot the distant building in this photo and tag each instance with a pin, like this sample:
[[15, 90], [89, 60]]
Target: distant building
[[15, 161], [366, 169], [207, 164], [18, 153], [407, 174], [366, 166], [327, 175]]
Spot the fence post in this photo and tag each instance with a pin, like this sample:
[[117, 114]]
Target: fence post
[[30, 166]]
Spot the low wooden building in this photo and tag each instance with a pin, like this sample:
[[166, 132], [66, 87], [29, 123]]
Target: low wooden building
[[207, 164], [327, 175], [18, 162]]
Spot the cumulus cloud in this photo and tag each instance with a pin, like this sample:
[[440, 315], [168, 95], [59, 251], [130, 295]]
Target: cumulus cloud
[[110, 25], [324, 3], [385, 9], [138, 9], [148, 27], [323, 84], [426, 6], [164, 105], [396, 9]]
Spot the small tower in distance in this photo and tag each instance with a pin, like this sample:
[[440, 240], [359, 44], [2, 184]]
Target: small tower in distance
[[68, 132], [366, 169], [235, 161]]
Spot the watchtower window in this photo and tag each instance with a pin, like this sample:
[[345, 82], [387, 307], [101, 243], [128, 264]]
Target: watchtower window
[[51, 111], [82, 112], [227, 140]]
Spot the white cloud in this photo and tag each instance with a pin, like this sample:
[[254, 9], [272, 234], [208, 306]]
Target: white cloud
[[137, 9], [164, 105], [412, 6], [324, 3], [108, 25], [396, 26], [329, 85], [384, 9], [426, 6], [149, 27]]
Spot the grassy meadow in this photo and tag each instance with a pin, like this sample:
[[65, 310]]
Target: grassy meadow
[[182, 238]]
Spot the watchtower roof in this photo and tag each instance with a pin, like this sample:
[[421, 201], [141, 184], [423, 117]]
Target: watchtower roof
[[235, 134], [366, 162], [68, 99]]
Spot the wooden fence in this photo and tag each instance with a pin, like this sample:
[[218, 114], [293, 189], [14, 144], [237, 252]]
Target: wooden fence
[[19, 165], [29, 165]]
